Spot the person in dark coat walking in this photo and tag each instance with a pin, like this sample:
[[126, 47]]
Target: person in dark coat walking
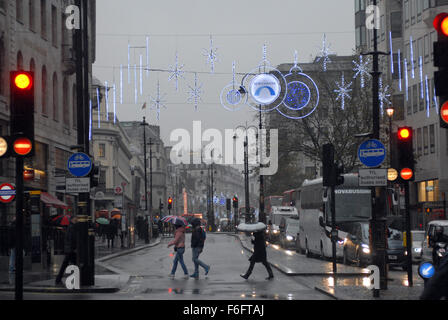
[[197, 245], [69, 248], [259, 255], [111, 233]]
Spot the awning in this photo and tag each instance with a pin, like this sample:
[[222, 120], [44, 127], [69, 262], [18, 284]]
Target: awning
[[52, 201]]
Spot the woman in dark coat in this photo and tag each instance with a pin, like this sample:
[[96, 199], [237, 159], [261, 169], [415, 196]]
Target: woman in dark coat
[[259, 255]]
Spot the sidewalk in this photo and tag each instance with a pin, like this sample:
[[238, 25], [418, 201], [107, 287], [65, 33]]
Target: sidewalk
[[106, 279], [349, 284]]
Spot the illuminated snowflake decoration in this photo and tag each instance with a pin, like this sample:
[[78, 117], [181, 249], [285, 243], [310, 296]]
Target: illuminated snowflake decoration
[[195, 93], [343, 91], [325, 54], [176, 72], [384, 96], [212, 55], [264, 62], [362, 70], [158, 102]]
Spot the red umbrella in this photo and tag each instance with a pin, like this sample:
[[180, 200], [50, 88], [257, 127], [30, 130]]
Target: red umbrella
[[62, 220]]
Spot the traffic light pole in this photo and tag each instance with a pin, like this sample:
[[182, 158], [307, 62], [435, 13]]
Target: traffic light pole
[[144, 124], [408, 234], [19, 229], [261, 213]]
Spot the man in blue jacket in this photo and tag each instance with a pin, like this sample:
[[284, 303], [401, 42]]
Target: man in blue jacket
[[197, 245]]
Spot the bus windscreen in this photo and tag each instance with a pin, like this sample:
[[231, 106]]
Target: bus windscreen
[[353, 204]]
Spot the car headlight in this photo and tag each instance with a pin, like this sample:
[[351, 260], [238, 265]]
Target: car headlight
[[289, 238], [417, 250], [276, 231], [365, 249]]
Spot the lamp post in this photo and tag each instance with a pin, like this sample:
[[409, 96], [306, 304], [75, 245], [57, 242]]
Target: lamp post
[[390, 113], [144, 124]]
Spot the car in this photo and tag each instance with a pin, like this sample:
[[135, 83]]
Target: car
[[418, 238], [289, 232], [429, 234], [396, 252], [356, 244]]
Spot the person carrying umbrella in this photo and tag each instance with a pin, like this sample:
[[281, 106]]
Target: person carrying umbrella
[[198, 237], [259, 255], [69, 249], [179, 248]]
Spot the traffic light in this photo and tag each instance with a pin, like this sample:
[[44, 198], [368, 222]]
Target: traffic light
[[170, 203], [161, 206], [338, 174], [441, 61], [327, 165], [94, 176], [22, 114], [229, 204], [235, 202], [405, 154]]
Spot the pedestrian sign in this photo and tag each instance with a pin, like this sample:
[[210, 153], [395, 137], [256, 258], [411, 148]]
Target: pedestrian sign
[[7, 193], [79, 165], [372, 153]]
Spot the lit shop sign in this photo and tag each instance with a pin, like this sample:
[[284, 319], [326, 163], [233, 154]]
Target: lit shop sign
[[352, 191], [265, 89]]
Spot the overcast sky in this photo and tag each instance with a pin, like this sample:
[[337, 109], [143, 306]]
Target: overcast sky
[[239, 30]]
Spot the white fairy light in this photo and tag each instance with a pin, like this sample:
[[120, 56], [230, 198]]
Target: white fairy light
[[115, 104], [158, 101], [176, 72], [383, 96], [325, 54], [107, 99], [428, 105], [147, 57], [406, 80], [411, 44], [343, 91], [391, 53], [141, 74], [399, 71], [420, 62], [98, 101], [361, 70], [195, 92], [211, 54]]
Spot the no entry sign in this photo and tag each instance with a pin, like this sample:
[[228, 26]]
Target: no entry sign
[[7, 193]]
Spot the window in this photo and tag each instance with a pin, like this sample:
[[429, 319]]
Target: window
[[54, 26], [32, 15], [425, 141], [421, 101], [102, 150], [425, 4], [415, 98], [55, 97], [427, 48], [43, 18], [44, 91], [3, 5], [19, 10], [432, 139], [65, 102], [158, 164], [407, 13], [413, 10], [19, 61], [419, 10], [419, 142], [395, 23], [428, 191]]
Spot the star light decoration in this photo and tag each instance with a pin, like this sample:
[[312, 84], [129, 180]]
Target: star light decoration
[[343, 91], [212, 55], [195, 93], [176, 72], [159, 101], [325, 54], [384, 96], [362, 70]]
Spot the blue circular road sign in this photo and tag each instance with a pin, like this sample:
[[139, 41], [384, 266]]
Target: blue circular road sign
[[372, 153], [79, 165], [426, 270]]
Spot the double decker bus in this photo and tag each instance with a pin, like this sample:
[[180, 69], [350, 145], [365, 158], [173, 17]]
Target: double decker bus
[[353, 203], [272, 201], [291, 198]]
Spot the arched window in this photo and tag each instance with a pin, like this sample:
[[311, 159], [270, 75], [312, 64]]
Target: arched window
[[19, 61], [19, 10], [75, 107], [55, 97], [44, 91], [65, 103]]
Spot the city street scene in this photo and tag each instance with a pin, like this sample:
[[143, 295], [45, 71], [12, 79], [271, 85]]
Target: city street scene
[[223, 156]]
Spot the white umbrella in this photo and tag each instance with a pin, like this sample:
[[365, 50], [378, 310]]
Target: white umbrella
[[253, 227]]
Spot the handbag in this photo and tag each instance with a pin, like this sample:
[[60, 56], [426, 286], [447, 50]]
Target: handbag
[[175, 249]]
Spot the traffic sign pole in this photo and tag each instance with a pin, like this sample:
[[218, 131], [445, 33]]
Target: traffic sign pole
[[19, 230]]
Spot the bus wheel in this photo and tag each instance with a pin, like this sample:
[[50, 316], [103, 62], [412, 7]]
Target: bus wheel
[[322, 256], [307, 250]]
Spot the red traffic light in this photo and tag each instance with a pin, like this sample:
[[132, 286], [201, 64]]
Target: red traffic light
[[406, 174], [170, 200], [22, 146], [441, 23], [444, 112], [23, 81], [404, 133]]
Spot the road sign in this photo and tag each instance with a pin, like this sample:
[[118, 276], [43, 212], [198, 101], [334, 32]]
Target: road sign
[[118, 190], [77, 185], [372, 153], [372, 177], [79, 165], [7, 193]]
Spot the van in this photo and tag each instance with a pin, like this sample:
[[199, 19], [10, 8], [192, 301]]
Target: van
[[275, 218], [430, 229]]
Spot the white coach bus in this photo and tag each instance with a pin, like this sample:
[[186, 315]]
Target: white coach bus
[[352, 203]]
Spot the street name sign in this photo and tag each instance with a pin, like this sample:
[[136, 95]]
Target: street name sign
[[77, 185], [372, 177], [372, 153], [79, 165], [7, 193]]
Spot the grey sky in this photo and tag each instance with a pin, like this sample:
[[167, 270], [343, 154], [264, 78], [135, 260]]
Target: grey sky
[[239, 29]]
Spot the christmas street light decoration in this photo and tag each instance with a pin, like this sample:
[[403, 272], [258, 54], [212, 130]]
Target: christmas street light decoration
[[343, 90], [362, 70], [159, 101], [212, 55], [195, 92], [176, 72], [325, 54]]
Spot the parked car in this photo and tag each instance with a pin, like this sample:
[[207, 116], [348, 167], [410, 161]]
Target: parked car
[[395, 253], [356, 244], [418, 237], [429, 234], [289, 232]]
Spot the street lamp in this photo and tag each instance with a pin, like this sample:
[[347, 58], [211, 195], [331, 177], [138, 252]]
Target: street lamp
[[390, 113]]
